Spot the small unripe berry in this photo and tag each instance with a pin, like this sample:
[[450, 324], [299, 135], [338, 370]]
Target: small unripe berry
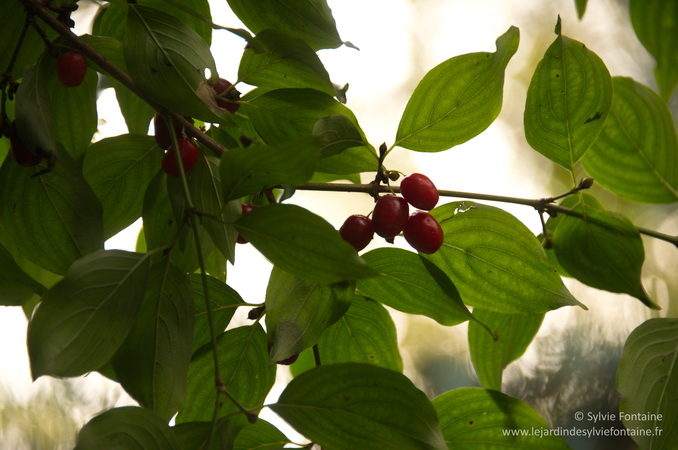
[[419, 191], [357, 230], [188, 152], [71, 69], [389, 216], [245, 207], [423, 232]]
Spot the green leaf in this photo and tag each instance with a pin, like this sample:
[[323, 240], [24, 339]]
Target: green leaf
[[302, 243], [491, 354], [54, 218], [197, 435], [581, 7], [17, 285], [119, 169], [276, 60], [656, 25], [167, 60], [359, 406], [260, 436], [365, 334], [152, 363], [568, 100], [298, 311], [457, 100], [647, 380], [128, 427], [85, 317], [602, 250], [470, 416], [636, 155], [309, 20], [248, 170], [337, 133], [406, 284], [495, 262], [206, 191], [243, 363]]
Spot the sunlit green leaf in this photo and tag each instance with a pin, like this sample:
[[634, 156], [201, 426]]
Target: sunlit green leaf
[[495, 262], [119, 169], [647, 380], [568, 100], [85, 317], [17, 285], [603, 250], [244, 368], [636, 155], [309, 20], [337, 133], [458, 99], [359, 406], [365, 334], [299, 310], [656, 25], [405, 284], [54, 218], [470, 416], [260, 436], [128, 427], [152, 362], [491, 354], [302, 243]]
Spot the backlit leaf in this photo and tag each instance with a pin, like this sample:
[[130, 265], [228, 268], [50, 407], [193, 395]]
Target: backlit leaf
[[17, 285]]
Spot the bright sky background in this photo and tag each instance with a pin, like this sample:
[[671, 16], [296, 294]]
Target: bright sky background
[[399, 41]]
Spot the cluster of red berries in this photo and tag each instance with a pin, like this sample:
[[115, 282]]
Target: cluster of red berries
[[391, 215]]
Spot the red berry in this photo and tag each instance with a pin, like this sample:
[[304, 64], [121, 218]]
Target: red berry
[[188, 151], [423, 232], [419, 191], [246, 207], [22, 155], [357, 230], [162, 134], [229, 99], [288, 361], [71, 69], [390, 214]]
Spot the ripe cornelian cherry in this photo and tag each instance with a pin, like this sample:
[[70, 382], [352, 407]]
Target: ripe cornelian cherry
[[188, 151], [71, 69], [162, 134], [246, 207], [423, 232], [389, 216], [229, 100], [357, 230], [419, 191]]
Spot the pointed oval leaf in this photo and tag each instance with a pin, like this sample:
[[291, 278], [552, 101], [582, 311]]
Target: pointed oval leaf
[[568, 100], [298, 311], [496, 262], [302, 243], [17, 285], [261, 435], [647, 380], [636, 155], [53, 218], [491, 354], [119, 169], [365, 334], [458, 99], [405, 284], [85, 317], [309, 20], [359, 406], [276, 60], [167, 60], [127, 427], [244, 368], [472, 415], [656, 25], [337, 133], [152, 363], [602, 250]]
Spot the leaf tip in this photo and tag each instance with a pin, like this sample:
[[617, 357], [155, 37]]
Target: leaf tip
[[558, 26]]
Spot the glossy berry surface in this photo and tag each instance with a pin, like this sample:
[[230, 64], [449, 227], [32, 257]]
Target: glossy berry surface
[[389, 216], [423, 232], [220, 87], [71, 69], [246, 207], [189, 153], [419, 191], [162, 134], [357, 230]]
